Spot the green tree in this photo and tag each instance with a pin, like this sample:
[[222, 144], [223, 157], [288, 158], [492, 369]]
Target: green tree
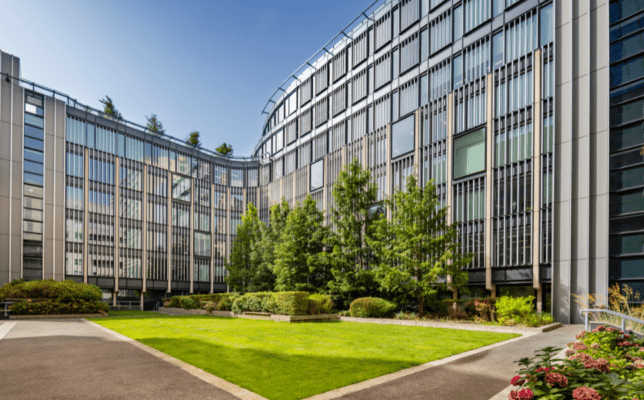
[[154, 125], [263, 250], [416, 246], [225, 149], [351, 259], [299, 264], [108, 107], [240, 268], [193, 139]]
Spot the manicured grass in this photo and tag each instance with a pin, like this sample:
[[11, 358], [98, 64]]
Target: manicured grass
[[293, 361], [134, 313]]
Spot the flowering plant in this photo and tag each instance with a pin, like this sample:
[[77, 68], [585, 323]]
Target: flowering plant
[[596, 368]]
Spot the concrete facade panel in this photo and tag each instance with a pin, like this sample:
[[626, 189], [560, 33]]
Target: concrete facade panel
[[61, 119], [5, 148], [49, 221], [60, 260], [562, 177], [562, 232], [6, 101], [580, 8], [4, 260], [16, 143], [18, 104], [48, 257], [599, 277], [16, 216], [60, 189], [599, 159], [599, 228], [16, 256], [563, 123], [49, 116], [580, 178], [580, 287], [562, 13], [580, 229], [5, 175], [562, 57], [580, 106], [581, 48], [16, 181], [4, 216], [561, 291], [599, 84], [599, 48], [597, 3], [60, 155]]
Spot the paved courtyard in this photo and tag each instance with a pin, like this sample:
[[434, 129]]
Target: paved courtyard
[[73, 359]]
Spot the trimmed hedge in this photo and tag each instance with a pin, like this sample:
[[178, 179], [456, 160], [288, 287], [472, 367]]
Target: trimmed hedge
[[55, 307], [371, 307], [286, 303], [320, 304], [50, 289], [215, 301]]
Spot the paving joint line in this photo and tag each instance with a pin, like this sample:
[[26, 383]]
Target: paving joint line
[[357, 387], [207, 377]]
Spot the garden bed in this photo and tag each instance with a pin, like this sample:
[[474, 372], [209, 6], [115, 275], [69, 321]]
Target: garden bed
[[465, 325], [253, 315]]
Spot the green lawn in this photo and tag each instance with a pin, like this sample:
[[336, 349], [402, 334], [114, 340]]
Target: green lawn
[[134, 313], [279, 360]]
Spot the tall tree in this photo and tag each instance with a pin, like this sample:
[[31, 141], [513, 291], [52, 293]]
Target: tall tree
[[193, 139], [154, 125], [263, 250], [225, 149], [416, 246], [351, 259], [299, 264], [240, 267], [108, 107]]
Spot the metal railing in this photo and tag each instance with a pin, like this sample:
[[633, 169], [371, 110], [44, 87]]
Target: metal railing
[[624, 317], [124, 304], [6, 305]]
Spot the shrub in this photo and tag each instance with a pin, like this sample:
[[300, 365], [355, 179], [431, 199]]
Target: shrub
[[226, 301], [320, 304], [254, 302], [50, 289], [516, 308], [220, 301], [371, 307], [52, 307], [292, 303]]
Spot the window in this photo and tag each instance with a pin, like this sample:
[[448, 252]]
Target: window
[[383, 71], [458, 71], [497, 7], [75, 165], [101, 171], [202, 244], [476, 12], [497, 48], [75, 131], [409, 53], [547, 25], [402, 136], [409, 96], [521, 36], [317, 175], [458, 22], [181, 187], [441, 32], [130, 178], [237, 177], [469, 154], [424, 45], [423, 90], [74, 198], [106, 141]]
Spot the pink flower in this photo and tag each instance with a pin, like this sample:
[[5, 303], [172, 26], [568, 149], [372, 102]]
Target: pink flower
[[639, 365], [523, 394], [583, 357], [581, 335], [569, 352], [611, 329], [556, 379], [579, 347], [585, 393], [627, 336], [600, 365], [599, 329], [641, 349], [517, 380], [595, 345]]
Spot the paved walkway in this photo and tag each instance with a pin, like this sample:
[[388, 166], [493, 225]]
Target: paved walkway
[[71, 359], [476, 377]]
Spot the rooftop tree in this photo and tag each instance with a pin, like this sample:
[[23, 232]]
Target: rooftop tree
[[154, 125], [108, 107], [193, 139], [225, 149]]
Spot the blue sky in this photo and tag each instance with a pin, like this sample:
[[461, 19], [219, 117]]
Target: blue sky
[[199, 65]]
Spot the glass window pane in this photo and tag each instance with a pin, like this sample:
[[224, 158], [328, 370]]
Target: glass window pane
[[33, 215], [34, 203], [627, 27], [497, 7], [547, 25], [34, 168], [458, 72], [317, 175], [458, 22], [497, 47], [35, 179], [627, 71], [33, 191], [627, 244], [33, 155], [34, 132], [34, 144], [627, 137], [627, 47], [627, 178], [34, 120], [626, 203], [402, 136], [469, 154]]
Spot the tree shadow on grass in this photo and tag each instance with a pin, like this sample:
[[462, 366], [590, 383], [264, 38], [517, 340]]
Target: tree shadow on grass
[[276, 376]]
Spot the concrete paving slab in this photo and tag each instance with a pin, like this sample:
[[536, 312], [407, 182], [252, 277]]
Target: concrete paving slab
[[71, 359]]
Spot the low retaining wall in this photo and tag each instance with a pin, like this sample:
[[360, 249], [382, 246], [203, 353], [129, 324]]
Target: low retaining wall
[[522, 330], [595, 324], [270, 317], [56, 316]]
